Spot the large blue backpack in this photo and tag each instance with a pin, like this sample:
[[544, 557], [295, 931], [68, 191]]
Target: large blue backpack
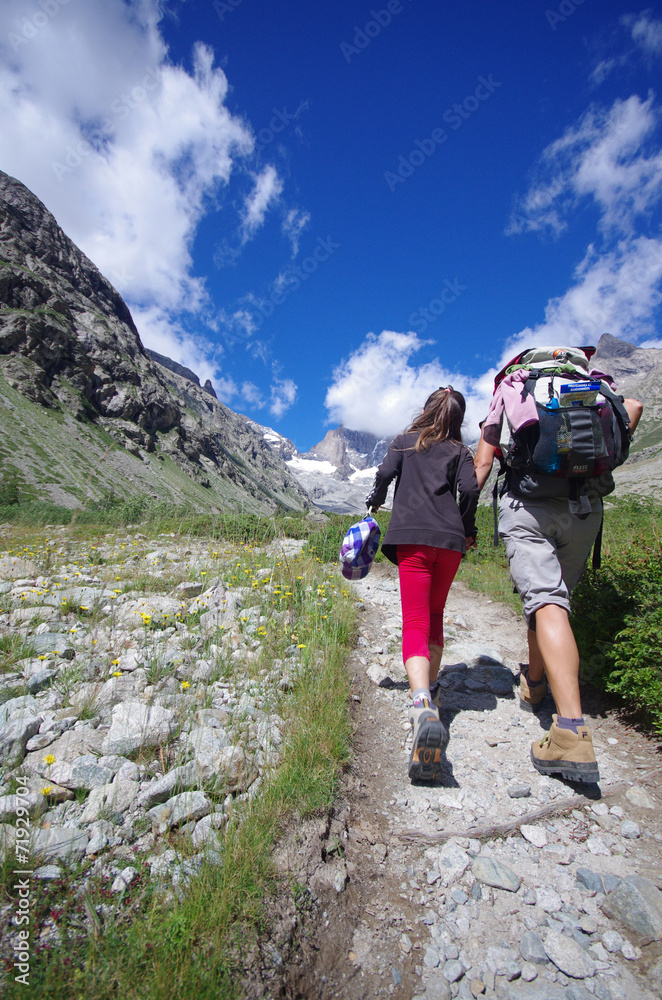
[[582, 433]]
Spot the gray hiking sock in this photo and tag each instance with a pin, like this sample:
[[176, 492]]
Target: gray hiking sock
[[573, 724], [420, 695]]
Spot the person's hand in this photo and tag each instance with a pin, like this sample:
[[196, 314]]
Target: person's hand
[[471, 542]]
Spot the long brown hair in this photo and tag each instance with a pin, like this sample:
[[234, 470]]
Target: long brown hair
[[441, 418]]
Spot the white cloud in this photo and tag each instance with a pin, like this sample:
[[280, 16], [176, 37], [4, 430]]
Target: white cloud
[[378, 390], [605, 158], [161, 334], [124, 151], [252, 395], [613, 292], [646, 32], [283, 396], [294, 224], [267, 189]]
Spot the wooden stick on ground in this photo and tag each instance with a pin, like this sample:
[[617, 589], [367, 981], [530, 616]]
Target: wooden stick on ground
[[502, 829]]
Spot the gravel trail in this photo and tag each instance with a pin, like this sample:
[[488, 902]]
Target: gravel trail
[[495, 881]]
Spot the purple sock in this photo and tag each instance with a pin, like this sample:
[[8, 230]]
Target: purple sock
[[569, 723], [533, 684]]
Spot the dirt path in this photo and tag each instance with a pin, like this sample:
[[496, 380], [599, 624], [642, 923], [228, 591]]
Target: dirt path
[[390, 905]]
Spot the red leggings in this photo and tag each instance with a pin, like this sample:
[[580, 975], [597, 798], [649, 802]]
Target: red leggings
[[426, 574]]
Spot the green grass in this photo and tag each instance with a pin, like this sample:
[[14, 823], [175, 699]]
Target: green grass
[[13, 648]]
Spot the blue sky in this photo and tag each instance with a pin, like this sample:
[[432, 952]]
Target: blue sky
[[330, 209]]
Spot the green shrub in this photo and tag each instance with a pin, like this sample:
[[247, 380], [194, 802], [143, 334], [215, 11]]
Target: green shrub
[[616, 610]]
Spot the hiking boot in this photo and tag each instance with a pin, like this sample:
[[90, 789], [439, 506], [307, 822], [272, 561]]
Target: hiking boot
[[567, 753], [435, 694], [531, 696], [429, 744]]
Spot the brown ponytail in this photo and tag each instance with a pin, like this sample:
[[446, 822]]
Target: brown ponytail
[[441, 419]]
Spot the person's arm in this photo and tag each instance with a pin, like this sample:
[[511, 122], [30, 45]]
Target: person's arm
[[467, 494], [385, 474], [635, 409], [483, 461]]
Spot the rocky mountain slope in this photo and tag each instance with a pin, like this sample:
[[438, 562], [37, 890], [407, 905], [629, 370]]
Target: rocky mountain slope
[[638, 374], [84, 408], [336, 473]]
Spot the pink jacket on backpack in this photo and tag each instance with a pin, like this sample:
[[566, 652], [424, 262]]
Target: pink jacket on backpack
[[520, 411]]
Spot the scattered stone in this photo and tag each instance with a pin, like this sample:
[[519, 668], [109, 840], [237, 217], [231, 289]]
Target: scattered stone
[[47, 872], [179, 809], [136, 724], [535, 835], [630, 951], [124, 879], [178, 779], [528, 972], [489, 871], [637, 904], [568, 956], [14, 734], [55, 842], [452, 862], [630, 830], [612, 941], [548, 899], [532, 949], [519, 791], [640, 798], [431, 958], [453, 970], [595, 882]]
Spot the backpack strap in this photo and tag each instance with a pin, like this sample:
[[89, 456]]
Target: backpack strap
[[578, 502], [619, 409], [597, 545], [496, 493]]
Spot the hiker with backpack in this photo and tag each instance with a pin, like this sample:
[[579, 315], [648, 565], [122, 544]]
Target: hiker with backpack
[[428, 533], [564, 432]]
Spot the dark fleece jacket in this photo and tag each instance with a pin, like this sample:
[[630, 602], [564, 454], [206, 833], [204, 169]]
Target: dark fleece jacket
[[425, 511]]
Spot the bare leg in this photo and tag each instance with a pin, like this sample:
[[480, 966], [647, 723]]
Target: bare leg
[[418, 672], [558, 650], [435, 661], [536, 664]]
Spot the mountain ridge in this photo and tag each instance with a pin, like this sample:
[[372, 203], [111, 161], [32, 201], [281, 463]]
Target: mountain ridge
[[83, 406]]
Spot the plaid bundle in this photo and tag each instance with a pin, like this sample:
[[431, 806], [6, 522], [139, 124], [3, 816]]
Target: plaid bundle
[[359, 548]]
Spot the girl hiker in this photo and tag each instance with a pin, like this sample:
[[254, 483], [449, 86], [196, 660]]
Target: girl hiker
[[427, 536]]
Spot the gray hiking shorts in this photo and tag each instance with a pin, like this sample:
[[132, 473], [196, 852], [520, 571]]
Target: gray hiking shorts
[[547, 548]]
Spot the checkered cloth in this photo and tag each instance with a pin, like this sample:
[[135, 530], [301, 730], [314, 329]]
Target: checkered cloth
[[359, 548]]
